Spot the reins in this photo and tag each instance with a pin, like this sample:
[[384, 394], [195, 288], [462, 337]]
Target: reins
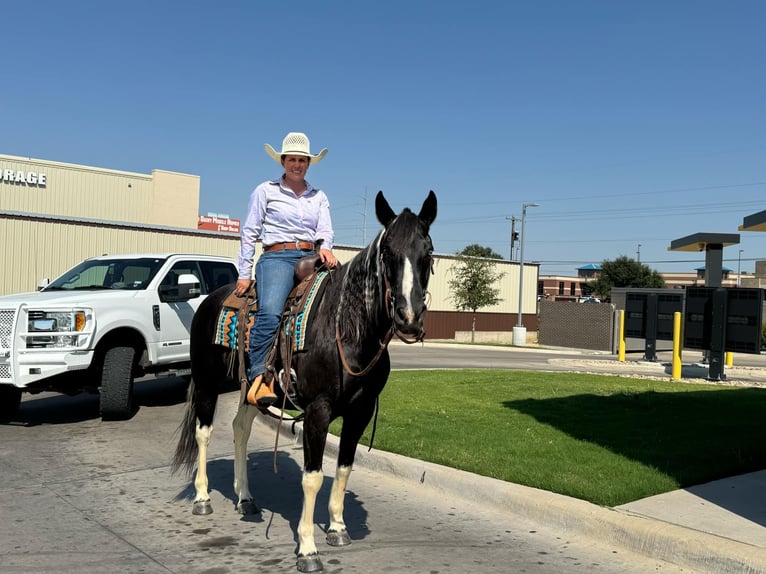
[[383, 344]]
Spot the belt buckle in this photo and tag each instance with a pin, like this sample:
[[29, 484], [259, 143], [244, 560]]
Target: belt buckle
[[297, 245]]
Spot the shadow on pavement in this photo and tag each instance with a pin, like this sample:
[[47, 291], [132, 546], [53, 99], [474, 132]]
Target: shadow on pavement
[[55, 408], [278, 493]]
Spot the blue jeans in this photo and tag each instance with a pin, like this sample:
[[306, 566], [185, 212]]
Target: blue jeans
[[274, 280]]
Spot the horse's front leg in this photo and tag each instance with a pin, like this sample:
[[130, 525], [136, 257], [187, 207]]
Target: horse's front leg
[[336, 533], [308, 555], [354, 424], [242, 426], [202, 503]]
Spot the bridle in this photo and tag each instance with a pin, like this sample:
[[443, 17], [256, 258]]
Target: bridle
[[389, 302]]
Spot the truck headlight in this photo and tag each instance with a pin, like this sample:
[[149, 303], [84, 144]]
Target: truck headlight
[[49, 329]]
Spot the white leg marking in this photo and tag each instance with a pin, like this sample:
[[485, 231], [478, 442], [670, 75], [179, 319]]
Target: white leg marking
[[408, 280], [312, 482], [337, 497], [242, 425], [202, 434]]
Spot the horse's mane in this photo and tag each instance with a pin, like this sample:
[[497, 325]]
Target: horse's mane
[[359, 305]]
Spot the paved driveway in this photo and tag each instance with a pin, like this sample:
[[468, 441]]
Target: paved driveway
[[82, 495]]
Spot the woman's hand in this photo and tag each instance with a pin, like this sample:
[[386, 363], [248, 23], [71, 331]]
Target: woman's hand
[[328, 258], [242, 286]]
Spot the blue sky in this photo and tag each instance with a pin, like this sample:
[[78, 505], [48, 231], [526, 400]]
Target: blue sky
[[629, 123]]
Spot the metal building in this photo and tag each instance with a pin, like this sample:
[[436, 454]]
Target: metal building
[[53, 215]]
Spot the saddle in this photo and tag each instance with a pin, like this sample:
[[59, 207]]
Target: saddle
[[237, 316]]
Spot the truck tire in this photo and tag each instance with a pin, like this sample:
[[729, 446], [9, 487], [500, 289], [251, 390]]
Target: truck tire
[[117, 384], [10, 399]]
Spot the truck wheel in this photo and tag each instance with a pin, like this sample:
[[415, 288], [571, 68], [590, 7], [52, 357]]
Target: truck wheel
[[10, 399], [117, 384]]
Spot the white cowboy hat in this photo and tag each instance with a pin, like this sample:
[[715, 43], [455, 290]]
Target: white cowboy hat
[[295, 143]]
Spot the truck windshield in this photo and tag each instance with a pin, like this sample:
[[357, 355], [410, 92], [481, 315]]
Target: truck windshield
[[122, 274]]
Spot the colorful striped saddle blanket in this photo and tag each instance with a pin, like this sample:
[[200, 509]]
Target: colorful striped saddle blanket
[[226, 327], [298, 310]]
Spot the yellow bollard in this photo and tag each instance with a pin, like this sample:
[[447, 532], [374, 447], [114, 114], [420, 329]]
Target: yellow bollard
[[676, 370], [621, 336], [729, 359]]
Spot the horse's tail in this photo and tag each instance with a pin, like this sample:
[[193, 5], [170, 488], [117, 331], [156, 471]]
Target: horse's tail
[[187, 449]]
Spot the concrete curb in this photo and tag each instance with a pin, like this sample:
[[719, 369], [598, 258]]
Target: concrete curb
[[701, 551]]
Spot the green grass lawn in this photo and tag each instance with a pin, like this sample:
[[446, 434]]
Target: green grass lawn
[[608, 440]]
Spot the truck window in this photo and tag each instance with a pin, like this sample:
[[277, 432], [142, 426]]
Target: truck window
[[218, 273], [183, 268]]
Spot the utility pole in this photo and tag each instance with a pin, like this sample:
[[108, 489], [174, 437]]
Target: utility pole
[[514, 234]]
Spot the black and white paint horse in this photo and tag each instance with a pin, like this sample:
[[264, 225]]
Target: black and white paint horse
[[379, 293]]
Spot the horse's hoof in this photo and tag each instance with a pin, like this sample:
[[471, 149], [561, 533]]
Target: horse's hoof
[[247, 507], [338, 538], [202, 507], [310, 563]]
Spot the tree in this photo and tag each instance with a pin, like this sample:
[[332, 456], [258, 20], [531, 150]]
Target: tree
[[624, 272], [474, 277], [476, 250]]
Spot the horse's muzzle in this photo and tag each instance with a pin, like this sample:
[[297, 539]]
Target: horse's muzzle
[[409, 323]]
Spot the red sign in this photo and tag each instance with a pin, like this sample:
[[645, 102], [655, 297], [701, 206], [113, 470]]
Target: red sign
[[215, 223]]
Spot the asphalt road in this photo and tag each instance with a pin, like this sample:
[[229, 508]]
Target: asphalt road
[[441, 355], [82, 495]]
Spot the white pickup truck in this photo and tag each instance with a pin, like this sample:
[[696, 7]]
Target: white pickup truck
[[103, 323]]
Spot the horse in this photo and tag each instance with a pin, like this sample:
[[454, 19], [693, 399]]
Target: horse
[[380, 293]]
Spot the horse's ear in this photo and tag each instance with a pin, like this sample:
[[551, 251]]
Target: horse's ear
[[384, 212], [428, 211]]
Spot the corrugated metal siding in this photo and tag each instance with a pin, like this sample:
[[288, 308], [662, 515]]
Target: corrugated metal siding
[[33, 248], [78, 191], [96, 193], [508, 286]]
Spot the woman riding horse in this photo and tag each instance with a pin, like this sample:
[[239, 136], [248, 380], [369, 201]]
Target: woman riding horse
[[290, 217]]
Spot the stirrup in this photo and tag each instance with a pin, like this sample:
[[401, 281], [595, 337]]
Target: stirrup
[[261, 394]]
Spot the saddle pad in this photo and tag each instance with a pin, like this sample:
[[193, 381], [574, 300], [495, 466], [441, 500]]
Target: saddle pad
[[302, 317], [226, 328]]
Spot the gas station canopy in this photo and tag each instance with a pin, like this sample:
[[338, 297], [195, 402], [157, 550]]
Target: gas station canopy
[[700, 241], [754, 222]]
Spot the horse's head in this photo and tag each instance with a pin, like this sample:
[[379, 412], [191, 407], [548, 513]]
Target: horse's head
[[406, 254]]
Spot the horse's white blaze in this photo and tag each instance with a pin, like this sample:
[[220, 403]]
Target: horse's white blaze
[[311, 483], [408, 283], [337, 496], [242, 426], [200, 479]]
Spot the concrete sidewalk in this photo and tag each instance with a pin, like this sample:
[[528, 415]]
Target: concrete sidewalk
[[718, 527]]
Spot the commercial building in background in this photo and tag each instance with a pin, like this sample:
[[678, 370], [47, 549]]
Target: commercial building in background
[[53, 215], [569, 288]]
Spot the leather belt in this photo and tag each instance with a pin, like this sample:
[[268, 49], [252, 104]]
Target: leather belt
[[297, 245]]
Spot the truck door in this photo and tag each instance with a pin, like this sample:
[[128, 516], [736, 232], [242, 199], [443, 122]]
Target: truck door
[[175, 318]]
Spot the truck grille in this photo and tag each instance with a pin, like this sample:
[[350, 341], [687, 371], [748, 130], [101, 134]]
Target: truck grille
[[7, 319]]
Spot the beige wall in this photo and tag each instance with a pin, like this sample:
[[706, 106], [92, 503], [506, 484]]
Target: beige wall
[[508, 285], [44, 248], [162, 198], [174, 199]]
